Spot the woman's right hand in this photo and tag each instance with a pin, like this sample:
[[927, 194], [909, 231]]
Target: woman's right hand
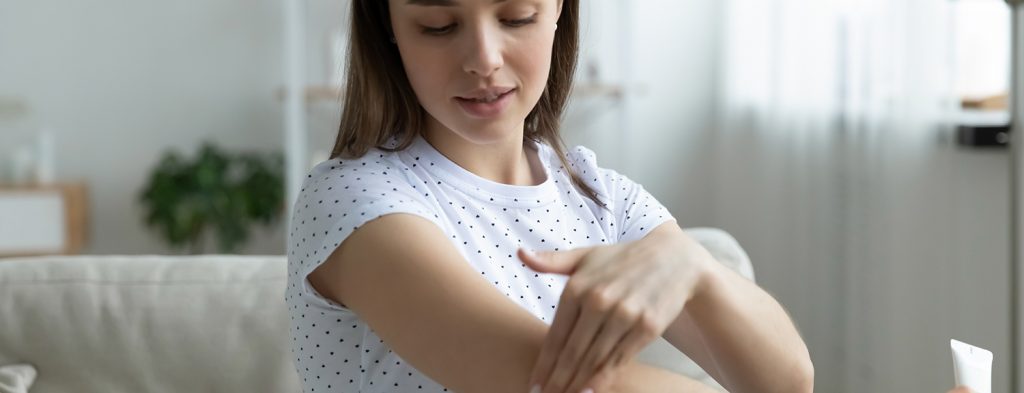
[[960, 389]]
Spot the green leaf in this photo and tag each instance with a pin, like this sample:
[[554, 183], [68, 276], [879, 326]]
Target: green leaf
[[215, 192]]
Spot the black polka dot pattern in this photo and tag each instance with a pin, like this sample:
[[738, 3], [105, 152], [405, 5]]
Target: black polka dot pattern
[[335, 351]]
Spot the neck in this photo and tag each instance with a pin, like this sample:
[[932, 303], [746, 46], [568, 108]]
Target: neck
[[503, 160]]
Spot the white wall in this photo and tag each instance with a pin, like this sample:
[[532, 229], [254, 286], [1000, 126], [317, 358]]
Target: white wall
[[120, 82], [657, 135]]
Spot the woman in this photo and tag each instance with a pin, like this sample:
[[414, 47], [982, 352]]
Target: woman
[[452, 243]]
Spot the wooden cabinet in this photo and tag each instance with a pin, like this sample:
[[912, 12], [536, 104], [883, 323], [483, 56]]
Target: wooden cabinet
[[43, 219]]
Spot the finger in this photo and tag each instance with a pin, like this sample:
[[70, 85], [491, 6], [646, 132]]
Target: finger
[[564, 320], [612, 334], [559, 262], [583, 333], [640, 335], [604, 378]]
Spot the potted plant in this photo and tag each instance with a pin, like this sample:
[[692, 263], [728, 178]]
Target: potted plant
[[215, 194]]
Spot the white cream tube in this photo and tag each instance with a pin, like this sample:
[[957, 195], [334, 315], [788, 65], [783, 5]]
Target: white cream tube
[[973, 366]]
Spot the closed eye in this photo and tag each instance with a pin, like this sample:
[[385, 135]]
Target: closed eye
[[520, 22], [438, 30]]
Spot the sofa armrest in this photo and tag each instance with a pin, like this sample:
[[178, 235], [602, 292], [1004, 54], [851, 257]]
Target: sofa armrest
[[726, 250]]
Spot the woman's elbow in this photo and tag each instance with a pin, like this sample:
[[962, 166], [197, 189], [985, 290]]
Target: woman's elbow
[[804, 376], [798, 378]]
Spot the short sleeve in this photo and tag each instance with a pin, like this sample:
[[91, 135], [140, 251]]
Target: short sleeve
[[635, 211], [338, 197]]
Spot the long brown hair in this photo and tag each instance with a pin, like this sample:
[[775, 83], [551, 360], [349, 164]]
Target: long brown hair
[[379, 102]]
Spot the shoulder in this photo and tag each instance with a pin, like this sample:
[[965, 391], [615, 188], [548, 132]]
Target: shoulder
[[375, 165], [635, 210], [582, 157], [584, 163], [340, 195], [377, 175]]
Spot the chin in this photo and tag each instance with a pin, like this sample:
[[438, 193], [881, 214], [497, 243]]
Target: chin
[[485, 131], [489, 132]]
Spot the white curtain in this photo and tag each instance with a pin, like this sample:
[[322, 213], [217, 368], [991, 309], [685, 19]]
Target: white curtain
[[836, 170]]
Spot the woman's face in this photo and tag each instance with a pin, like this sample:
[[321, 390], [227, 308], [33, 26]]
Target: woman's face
[[478, 67]]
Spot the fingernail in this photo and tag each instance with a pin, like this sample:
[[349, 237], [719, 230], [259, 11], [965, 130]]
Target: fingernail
[[588, 390], [535, 389], [529, 255]]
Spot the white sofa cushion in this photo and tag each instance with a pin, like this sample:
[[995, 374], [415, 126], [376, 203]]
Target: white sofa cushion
[[148, 323], [17, 378]]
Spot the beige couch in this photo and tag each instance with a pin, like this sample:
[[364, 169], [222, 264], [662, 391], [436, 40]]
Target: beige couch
[[211, 323]]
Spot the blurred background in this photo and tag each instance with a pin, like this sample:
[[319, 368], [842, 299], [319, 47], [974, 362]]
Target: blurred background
[[857, 149]]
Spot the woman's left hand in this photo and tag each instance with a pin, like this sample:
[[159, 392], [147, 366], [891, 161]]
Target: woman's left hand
[[619, 298]]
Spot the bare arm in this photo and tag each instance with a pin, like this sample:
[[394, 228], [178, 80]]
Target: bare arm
[[734, 329], [406, 279]]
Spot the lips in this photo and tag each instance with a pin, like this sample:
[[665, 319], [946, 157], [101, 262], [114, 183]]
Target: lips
[[486, 103], [486, 95]]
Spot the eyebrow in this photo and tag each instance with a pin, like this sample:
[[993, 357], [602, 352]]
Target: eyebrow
[[439, 3]]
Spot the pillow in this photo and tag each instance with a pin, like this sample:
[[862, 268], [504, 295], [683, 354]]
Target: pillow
[[17, 378]]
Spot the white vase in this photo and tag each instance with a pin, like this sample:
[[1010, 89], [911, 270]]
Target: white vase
[[45, 168]]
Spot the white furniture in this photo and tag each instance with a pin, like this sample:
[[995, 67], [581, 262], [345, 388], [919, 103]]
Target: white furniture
[[42, 219], [212, 323]]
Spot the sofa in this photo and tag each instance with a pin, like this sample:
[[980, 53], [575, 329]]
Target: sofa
[[209, 323]]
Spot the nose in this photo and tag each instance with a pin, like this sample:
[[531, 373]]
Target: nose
[[484, 51]]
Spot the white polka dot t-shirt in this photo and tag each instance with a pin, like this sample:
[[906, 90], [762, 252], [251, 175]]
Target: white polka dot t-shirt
[[336, 351]]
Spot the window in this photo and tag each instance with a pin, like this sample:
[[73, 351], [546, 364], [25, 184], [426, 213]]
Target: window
[[982, 39]]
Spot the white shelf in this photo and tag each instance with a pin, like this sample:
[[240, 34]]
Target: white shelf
[[983, 118]]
